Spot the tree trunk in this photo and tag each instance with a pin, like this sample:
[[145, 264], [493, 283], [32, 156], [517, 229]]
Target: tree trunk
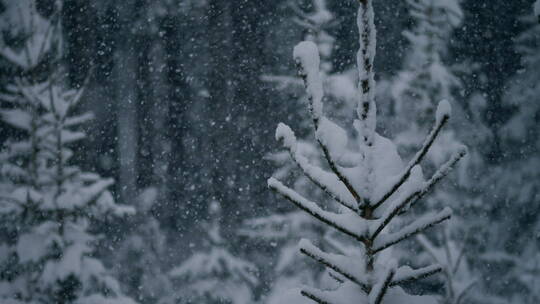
[[159, 113], [125, 81], [221, 92]]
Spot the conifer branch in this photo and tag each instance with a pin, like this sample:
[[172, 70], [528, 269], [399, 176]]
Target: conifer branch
[[314, 173], [313, 85], [417, 274], [313, 297], [379, 291], [419, 156], [415, 227], [312, 208], [325, 259]]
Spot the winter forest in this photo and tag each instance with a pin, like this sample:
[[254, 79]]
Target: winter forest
[[268, 152]]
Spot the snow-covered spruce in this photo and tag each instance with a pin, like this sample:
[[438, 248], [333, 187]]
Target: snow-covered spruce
[[372, 183], [144, 252], [456, 273], [214, 274], [47, 203]]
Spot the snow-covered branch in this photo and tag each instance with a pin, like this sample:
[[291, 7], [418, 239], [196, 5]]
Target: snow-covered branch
[[365, 59], [366, 108], [440, 174], [406, 274], [399, 204], [315, 295], [306, 55], [341, 222], [442, 117], [376, 295], [415, 227], [339, 263], [327, 182]]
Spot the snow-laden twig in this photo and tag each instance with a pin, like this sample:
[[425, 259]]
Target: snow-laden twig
[[327, 182], [415, 227], [339, 263], [403, 276], [338, 221], [443, 171], [376, 294], [442, 117], [401, 204], [366, 107], [314, 295], [306, 55]]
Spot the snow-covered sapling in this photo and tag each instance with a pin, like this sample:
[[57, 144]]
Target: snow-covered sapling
[[47, 250], [371, 183], [214, 274], [456, 273]]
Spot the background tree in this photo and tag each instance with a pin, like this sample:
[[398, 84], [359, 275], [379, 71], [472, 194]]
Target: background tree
[[457, 276], [145, 251], [50, 205], [515, 180], [214, 274], [429, 75]]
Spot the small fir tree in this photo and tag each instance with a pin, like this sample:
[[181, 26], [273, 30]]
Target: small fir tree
[[142, 256], [370, 183], [215, 275], [49, 204]]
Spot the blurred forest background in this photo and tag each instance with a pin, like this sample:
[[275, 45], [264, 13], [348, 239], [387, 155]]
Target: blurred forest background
[[186, 95]]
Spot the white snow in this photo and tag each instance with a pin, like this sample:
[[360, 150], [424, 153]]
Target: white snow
[[17, 118], [328, 181], [33, 246], [286, 136], [443, 110], [290, 296], [351, 267], [333, 137], [349, 223], [306, 54], [415, 227]]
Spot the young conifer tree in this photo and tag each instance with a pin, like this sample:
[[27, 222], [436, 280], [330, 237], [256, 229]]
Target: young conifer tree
[[450, 254], [214, 274], [47, 254], [141, 258], [372, 184]]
